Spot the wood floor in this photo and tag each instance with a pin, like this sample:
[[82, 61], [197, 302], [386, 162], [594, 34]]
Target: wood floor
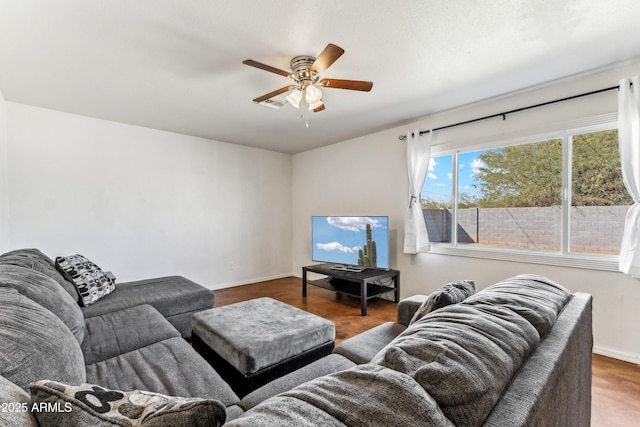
[[616, 384]]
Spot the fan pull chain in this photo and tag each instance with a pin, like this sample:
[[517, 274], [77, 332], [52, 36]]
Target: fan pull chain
[[305, 111]]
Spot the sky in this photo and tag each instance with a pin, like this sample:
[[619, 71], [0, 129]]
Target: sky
[[438, 184], [337, 239]]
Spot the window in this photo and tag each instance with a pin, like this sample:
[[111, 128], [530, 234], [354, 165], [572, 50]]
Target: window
[[599, 200], [560, 195], [437, 199]]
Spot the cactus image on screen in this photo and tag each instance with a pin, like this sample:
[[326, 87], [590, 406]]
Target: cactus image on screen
[[367, 256]]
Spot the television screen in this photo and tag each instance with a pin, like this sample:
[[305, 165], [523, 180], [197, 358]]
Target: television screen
[[351, 240]]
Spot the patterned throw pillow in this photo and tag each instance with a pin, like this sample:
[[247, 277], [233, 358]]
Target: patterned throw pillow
[[93, 406], [451, 293], [92, 283]]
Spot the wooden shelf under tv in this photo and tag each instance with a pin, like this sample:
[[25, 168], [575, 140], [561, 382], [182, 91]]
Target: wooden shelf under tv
[[363, 285]]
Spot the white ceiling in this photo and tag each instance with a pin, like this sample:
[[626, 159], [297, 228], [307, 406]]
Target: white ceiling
[[176, 65]]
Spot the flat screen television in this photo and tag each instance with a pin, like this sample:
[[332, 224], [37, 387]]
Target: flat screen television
[[351, 240]]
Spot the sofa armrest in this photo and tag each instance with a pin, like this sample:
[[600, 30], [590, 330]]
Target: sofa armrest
[[408, 307], [118, 332], [363, 347], [554, 383]]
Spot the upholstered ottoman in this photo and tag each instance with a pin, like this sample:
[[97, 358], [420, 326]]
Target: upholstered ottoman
[[253, 342]]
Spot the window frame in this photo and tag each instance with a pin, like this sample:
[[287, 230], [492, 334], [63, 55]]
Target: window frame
[[564, 257]]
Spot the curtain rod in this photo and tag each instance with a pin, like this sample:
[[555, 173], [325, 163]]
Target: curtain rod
[[504, 114]]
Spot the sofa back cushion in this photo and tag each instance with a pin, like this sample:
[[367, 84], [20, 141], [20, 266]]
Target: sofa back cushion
[[46, 292], [364, 395], [537, 299], [35, 344], [464, 355], [36, 260]]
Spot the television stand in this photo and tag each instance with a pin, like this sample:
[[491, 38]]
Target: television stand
[[360, 284]]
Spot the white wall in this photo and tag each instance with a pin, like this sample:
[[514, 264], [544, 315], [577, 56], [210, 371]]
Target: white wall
[[143, 203], [367, 175], [4, 176]]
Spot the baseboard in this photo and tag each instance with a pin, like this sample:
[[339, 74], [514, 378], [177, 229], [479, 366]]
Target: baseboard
[[615, 354], [248, 281]]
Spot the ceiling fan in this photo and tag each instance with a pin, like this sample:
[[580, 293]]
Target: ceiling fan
[[305, 72]]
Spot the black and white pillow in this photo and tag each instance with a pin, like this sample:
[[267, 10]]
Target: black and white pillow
[[92, 283], [93, 406]]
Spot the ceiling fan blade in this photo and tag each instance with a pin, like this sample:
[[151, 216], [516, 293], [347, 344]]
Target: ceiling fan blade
[[266, 67], [272, 94], [318, 109], [328, 56], [347, 84]]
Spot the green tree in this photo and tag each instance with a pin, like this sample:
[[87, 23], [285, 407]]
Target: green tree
[[466, 200], [597, 175], [521, 175], [430, 203], [531, 174]]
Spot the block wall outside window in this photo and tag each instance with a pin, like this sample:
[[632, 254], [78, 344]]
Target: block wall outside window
[[597, 229]]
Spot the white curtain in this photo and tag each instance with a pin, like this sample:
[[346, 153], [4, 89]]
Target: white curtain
[[629, 143], [416, 239]]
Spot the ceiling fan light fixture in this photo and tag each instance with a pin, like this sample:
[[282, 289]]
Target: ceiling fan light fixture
[[294, 98], [313, 94], [305, 72], [315, 105]]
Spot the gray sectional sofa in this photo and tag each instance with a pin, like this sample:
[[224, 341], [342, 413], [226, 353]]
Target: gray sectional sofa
[[175, 297], [125, 341], [515, 354]]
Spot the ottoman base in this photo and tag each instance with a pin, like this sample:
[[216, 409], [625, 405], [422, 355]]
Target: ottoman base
[[243, 384]]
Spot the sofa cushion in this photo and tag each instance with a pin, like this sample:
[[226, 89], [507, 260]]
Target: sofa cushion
[[451, 293], [536, 298], [233, 412], [15, 406], [46, 292], [286, 412], [93, 406], [172, 296], [463, 356], [119, 332], [92, 283], [325, 366], [466, 354], [365, 395], [35, 343], [36, 260], [169, 367]]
